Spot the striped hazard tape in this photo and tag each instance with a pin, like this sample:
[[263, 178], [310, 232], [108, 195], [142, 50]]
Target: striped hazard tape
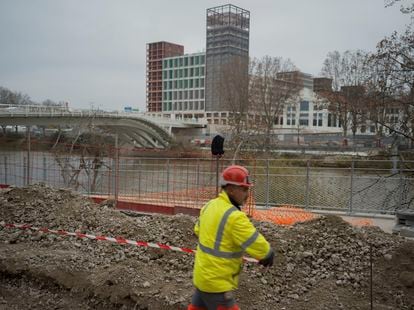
[[119, 240]]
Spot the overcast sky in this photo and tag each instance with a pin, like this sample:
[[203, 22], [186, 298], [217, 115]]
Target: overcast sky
[[92, 52]]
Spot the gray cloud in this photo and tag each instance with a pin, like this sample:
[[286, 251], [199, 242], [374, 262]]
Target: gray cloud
[[94, 51]]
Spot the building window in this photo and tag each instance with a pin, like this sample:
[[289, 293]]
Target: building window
[[202, 71], [201, 105], [191, 72], [201, 93], [191, 105], [303, 122], [190, 83], [181, 62], [202, 59], [304, 105], [320, 120], [197, 83], [175, 62], [315, 120], [196, 60], [170, 63], [186, 61], [191, 60], [197, 71], [201, 82]]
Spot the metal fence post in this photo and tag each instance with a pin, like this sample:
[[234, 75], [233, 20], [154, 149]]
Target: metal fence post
[[116, 189], [24, 171], [139, 179], [110, 165], [168, 179], [197, 180], [44, 169], [352, 186], [89, 180], [5, 170], [401, 186], [307, 184], [188, 166], [28, 156], [267, 183]]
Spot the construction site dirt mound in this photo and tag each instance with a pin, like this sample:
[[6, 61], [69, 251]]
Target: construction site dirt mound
[[321, 264]]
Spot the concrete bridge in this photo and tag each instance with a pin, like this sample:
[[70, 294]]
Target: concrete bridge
[[136, 128]]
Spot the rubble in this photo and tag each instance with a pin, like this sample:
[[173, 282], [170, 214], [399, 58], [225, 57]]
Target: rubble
[[322, 264]]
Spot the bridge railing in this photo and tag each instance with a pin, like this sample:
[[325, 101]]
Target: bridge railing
[[39, 110]]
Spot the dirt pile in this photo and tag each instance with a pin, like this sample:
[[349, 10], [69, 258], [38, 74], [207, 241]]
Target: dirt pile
[[323, 264]]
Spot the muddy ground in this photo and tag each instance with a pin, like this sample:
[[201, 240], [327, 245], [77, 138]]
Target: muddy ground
[[322, 264]]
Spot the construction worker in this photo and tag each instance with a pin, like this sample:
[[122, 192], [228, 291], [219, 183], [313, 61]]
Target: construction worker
[[224, 233]]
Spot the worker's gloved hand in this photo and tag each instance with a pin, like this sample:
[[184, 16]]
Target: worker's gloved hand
[[268, 260]]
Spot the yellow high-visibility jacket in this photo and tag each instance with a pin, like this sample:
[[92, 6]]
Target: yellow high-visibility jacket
[[224, 233]]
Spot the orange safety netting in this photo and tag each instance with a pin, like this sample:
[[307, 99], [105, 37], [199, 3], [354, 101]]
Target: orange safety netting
[[361, 222], [284, 215]]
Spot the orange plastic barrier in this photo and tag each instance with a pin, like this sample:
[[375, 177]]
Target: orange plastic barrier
[[361, 222], [286, 215]]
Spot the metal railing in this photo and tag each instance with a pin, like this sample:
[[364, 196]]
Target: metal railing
[[351, 186]]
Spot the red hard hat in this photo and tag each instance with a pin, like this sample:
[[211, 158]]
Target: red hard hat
[[236, 175]]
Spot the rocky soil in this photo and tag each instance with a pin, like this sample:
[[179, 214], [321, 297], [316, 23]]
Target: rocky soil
[[322, 264]]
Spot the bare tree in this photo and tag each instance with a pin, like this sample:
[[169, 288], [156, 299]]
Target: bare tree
[[355, 100], [394, 83], [274, 82], [13, 98], [405, 8], [348, 73]]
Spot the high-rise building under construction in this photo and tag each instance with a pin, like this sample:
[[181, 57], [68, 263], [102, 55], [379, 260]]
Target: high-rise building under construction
[[227, 42]]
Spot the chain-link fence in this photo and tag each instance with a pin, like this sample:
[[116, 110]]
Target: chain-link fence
[[381, 186]]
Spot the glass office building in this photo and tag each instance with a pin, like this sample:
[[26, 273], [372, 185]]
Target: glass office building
[[183, 85]]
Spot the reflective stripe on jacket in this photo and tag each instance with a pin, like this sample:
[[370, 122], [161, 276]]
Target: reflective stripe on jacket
[[224, 233]]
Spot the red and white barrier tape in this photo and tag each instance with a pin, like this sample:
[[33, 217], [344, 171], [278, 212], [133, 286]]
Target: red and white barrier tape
[[119, 240]]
